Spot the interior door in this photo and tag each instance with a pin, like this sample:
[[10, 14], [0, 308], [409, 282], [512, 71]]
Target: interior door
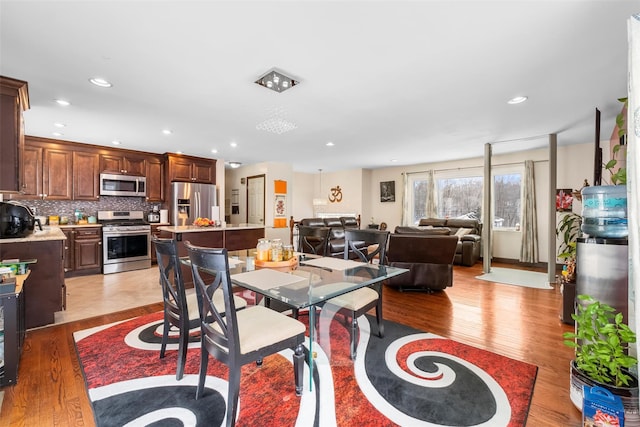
[[255, 199]]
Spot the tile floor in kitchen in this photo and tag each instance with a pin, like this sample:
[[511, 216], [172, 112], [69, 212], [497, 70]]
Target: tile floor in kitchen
[[89, 296]]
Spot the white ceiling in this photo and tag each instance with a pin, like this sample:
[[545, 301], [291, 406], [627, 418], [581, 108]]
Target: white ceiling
[[414, 81]]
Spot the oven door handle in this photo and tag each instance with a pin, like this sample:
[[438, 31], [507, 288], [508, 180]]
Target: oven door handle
[[125, 232]]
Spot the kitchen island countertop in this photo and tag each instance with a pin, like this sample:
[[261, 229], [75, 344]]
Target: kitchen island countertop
[[48, 233], [195, 229]]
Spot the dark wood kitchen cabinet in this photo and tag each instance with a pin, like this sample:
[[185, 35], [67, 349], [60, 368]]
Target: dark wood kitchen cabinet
[[83, 251], [191, 169], [125, 164], [57, 182], [68, 250], [12, 316], [43, 294], [157, 233], [14, 100], [48, 171], [86, 185], [155, 179]]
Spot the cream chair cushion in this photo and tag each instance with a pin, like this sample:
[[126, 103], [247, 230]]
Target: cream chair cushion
[[355, 300], [260, 327]]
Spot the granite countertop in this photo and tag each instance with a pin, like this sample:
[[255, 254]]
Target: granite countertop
[[196, 229], [48, 233], [75, 225]]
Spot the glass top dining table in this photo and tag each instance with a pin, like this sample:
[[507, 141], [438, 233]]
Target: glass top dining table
[[307, 283]]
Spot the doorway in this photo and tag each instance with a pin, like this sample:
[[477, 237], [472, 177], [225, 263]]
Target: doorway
[[255, 199]]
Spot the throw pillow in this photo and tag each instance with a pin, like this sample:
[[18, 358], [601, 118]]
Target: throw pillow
[[463, 232]]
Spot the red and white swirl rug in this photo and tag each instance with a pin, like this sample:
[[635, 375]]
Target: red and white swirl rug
[[408, 378]]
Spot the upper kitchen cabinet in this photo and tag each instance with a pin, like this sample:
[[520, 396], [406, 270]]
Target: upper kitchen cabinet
[[191, 169], [155, 179], [86, 185], [14, 99], [48, 170], [124, 164]]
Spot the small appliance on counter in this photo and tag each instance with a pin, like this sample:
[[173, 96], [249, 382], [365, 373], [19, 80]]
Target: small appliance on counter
[[154, 215], [16, 220]]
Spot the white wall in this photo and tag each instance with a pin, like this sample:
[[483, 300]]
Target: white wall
[[350, 183]]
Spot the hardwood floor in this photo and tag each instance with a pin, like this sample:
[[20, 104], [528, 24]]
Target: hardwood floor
[[517, 322]]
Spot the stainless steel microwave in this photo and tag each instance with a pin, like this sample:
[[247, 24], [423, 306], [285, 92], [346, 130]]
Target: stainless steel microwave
[[122, 185]]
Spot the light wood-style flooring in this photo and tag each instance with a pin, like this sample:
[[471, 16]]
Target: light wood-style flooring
[[521, 323]]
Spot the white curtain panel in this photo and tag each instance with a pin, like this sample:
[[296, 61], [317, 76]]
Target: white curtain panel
[[633, 175], [405, 199], [432, 210], [529, 245]]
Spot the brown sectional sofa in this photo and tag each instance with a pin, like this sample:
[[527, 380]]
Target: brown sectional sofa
[[429, 259], [335, 246], [469, 246]]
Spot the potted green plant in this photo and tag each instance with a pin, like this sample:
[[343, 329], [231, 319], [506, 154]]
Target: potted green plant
[[568, 228], [619, 176], [601, 341]]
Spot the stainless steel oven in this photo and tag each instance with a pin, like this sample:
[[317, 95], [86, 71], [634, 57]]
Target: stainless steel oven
[[126, 241]]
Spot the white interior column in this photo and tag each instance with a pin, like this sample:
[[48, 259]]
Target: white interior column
[[486, 211], [551, 238]]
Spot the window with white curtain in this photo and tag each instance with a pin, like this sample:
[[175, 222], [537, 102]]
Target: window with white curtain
[[459, 193]]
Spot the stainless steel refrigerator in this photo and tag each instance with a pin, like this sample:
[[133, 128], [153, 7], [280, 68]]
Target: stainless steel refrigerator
[[190, 201]]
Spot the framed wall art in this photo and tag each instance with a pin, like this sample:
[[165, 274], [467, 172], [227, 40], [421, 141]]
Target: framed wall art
[[388, 191]]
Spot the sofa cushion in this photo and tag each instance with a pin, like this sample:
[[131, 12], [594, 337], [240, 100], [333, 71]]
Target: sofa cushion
[[312, 222], [462, 231], [349, 222], [424, 231], [436, 222], [473, 224]]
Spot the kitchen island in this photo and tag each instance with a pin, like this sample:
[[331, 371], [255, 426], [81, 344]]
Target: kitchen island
[[231, 236], [44, 294], [234, 237]]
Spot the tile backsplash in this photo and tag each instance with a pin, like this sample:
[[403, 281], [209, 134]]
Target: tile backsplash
[[105, 203]]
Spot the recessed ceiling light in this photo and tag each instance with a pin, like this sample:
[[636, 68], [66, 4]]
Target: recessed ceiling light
[[517, 100], [394, 160], [59, 125], [167, 131], [214, 151], [57, 134], [330, 144], [115, 142], [233, 144], [63, 102], [100, 82], [235, 165]]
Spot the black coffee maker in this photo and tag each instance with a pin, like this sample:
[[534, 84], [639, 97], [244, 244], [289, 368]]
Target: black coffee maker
[[16, 220]]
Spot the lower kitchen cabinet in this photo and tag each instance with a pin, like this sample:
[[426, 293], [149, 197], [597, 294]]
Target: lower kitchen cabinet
[[157, 233], [83, 251], [43, 292], [12, 331]]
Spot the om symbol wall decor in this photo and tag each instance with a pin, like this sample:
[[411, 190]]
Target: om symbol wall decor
[[336, 194]]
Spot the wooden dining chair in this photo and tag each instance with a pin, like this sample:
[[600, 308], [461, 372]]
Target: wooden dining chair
[[313, 240], [180, 308], [238, 337], [354, 304]]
